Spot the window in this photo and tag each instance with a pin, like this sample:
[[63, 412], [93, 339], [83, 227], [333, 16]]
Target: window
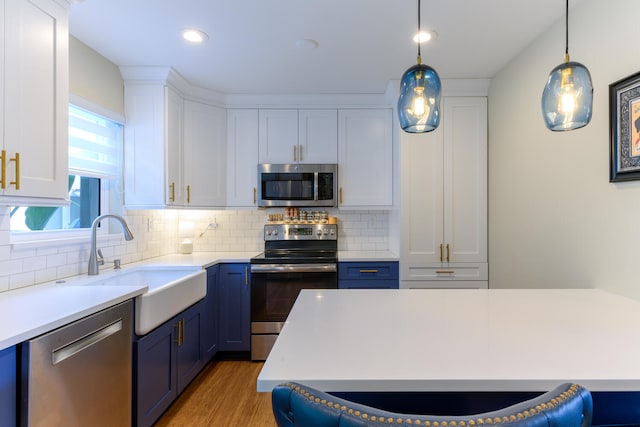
[[95, 158]]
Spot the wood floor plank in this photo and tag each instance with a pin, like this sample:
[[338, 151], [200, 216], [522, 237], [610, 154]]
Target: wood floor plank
[[224, 394]]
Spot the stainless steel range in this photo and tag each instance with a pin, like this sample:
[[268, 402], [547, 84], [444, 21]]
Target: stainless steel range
[[296, 256]]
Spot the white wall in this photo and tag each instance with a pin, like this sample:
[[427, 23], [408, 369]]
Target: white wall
[[94, 78], [554, 218]]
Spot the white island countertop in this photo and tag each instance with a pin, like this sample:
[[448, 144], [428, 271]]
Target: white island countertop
[[33, 310], [457, 340]]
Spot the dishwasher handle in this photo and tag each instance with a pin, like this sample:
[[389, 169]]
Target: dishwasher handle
[[87, 341]]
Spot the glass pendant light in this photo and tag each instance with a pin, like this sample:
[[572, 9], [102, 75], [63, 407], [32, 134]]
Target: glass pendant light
[[419, 102], [567, 99]]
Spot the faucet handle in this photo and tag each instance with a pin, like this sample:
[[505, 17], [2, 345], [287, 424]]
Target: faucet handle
[[100, 257]]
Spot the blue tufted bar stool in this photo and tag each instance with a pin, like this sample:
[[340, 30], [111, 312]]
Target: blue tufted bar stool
[[568, 405]]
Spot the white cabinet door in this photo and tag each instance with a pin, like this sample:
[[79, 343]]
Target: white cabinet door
[[465, 179], [318, 136], [36, 92], [298, 136], [365, 158], [444, 197], [278, 136], [175, 188], [152, 146], [422, 223], [204, 154], [242, 157]]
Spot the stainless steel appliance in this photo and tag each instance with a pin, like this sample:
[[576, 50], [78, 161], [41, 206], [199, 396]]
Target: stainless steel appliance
[[80, 374], [296, 256], [297, 185]]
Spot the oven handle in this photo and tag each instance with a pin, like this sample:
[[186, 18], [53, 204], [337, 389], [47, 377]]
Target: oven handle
[[294, 268]]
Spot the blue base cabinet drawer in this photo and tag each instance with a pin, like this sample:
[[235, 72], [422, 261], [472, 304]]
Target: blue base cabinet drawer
[[368, 275]]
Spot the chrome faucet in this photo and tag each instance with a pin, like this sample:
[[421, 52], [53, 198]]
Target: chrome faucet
[[93, 254]]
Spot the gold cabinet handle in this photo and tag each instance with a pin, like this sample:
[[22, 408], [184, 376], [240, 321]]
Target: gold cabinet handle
[[340, 195], [440, 252], [188, 194], [3, 169], [246, 276], [172, 188], [368, 271], [295, 153], [300, 152], [447, 252], [179, 332], [16, 159], [255, 195]]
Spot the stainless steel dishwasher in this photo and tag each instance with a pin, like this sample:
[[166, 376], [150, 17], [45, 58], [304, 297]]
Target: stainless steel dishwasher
[[80, 374]]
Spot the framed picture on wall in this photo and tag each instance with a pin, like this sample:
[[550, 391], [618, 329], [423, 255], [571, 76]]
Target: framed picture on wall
[[624, 110]]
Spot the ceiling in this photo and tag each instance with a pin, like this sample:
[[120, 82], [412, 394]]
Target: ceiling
[[361, 44]]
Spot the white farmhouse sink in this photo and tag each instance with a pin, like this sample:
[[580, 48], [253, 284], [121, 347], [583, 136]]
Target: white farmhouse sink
[[170, 290]]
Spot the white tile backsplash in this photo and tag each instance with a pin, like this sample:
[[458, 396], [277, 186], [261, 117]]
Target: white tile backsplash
[[156, 234]]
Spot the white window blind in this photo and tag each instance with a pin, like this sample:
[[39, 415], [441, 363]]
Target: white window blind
[[95, 145]]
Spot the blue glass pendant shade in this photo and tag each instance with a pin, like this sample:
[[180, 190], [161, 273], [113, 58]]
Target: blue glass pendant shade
[[567, 99], [419, 102]]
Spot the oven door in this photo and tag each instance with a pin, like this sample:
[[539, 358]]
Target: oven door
[[275, 287]]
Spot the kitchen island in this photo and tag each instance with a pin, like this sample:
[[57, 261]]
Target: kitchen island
[[465, 342]]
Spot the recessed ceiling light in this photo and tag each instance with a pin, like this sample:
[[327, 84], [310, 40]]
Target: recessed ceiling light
[[195, 36], [425, 36], [307, 44]]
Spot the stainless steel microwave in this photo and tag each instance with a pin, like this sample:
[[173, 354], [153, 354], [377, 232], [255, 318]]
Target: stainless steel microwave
[[297, 185]]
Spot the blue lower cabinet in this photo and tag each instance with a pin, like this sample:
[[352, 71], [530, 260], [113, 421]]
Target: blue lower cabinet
[[234, 307], [166, 360], [8, 387], [210, 334], [368, 275]]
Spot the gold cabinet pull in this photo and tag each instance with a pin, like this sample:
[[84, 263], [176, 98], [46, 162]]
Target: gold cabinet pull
[[368, 271], [172, 188], [295, 153], [440, 252], [340, 195], [300, 152], [246, 276], [179, 332], [16, 159], [255, 195], [188, 194], [447, 252], [3, 169]]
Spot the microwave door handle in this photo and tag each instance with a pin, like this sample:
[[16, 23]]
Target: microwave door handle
[[316, 195]]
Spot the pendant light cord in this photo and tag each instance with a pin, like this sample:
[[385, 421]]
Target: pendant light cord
[[566, 29], [419, 55]]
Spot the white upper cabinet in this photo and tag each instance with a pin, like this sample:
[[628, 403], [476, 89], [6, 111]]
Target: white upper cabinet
[[317, 136], [444, 198], [204, 155], [242, 157], [175, 149], [298, 136], [151, 148], [34, 115], [365, 158]]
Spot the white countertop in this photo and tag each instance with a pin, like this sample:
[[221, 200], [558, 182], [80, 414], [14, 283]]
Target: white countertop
[[366, 256], [457, 340], [31, 311]]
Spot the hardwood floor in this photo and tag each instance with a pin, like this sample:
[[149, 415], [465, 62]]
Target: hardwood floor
[[224, 394]]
